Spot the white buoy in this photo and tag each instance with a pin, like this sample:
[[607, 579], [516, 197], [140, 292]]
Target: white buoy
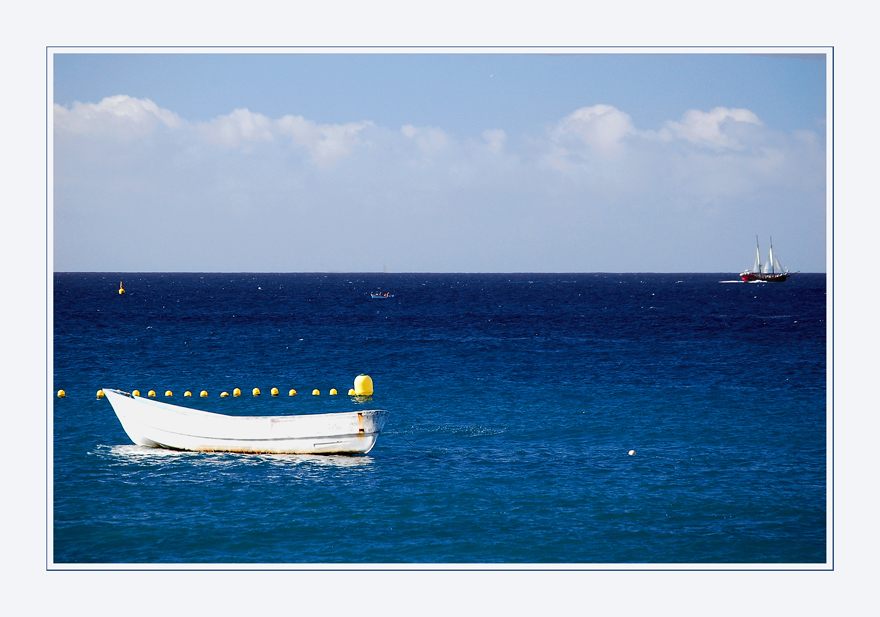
[[631, 452]]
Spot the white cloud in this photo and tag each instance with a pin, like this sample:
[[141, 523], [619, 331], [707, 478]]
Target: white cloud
[[326, 143], [601, 127], [125, 118], [806, 137], [495, 139], [708, 128], [238, 127], [121, 116], [423, 187], [428, 138]]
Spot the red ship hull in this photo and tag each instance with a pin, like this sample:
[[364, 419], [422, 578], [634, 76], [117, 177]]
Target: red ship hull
[[750, 277]]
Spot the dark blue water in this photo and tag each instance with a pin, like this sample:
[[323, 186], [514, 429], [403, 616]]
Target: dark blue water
[[514, 401]]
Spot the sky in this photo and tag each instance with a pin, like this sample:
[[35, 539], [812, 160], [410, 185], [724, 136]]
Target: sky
[[437, 161]]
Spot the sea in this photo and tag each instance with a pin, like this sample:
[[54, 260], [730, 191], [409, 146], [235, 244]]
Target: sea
[[593, 420]]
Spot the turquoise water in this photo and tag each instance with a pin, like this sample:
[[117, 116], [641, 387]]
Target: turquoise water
[[514, 403]]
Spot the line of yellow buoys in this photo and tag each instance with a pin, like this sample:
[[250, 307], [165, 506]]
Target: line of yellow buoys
[[363, 386]]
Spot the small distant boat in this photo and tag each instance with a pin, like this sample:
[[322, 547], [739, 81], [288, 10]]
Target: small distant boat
[[160, 425], [381, 296], [770, 272]]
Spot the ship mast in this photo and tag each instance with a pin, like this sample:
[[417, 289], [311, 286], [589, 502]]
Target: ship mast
[[772, 260], [757, 255]]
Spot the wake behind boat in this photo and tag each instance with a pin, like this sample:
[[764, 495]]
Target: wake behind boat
[[160, 425], [770, 272]]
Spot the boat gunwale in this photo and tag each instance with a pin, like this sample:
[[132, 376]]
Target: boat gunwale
[[276, 418]]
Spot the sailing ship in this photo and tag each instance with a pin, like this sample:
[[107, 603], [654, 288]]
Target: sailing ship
[[769, 272]]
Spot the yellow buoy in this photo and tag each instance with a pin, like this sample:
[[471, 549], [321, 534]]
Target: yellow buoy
[[292, 392], [236, 392], [363, 385], [187, 393], [151, 393], [316, 392], [203, 394], [167, 392], [274, 391], [222, 394], [100, 394], [351, 392], [255, 392], [121, 290], [61, 393], [333, 392], [135, 392]]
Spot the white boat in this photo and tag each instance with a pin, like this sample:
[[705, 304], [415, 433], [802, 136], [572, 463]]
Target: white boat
[[156, 424], [382, 296]]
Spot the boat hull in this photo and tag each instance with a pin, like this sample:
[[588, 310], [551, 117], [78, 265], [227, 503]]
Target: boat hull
[[156, 424], [754, 277]]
